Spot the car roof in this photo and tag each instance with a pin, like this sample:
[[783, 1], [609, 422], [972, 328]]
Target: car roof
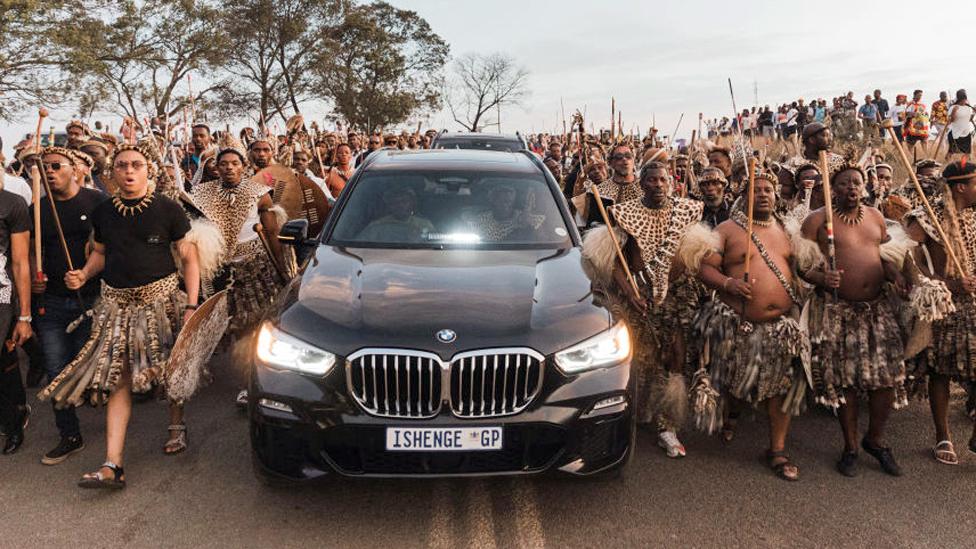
[[451, 159], [484, 136]]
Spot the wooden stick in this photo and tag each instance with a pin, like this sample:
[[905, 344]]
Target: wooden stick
[[613, 237], [949, 248], [938, 144], [828, 215], [36, 176], [749, 214], [613, 118], [259, 228]]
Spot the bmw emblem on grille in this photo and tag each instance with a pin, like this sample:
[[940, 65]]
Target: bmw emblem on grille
[[446, 336]]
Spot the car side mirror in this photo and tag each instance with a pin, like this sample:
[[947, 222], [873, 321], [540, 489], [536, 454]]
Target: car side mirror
[[295, 233]]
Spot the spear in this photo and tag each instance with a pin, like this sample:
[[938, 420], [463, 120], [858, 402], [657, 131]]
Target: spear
[[613, 117], [749, 214], [828, 214]]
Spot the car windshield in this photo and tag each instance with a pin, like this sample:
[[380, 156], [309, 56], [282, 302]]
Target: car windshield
[[480, 144], [450, 209]]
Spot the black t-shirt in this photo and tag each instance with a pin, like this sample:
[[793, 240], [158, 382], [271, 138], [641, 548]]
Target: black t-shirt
[[13, 219], [137, 246], [76, 222]]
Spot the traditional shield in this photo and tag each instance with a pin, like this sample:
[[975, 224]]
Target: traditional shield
[[187, 364], [298, 195]]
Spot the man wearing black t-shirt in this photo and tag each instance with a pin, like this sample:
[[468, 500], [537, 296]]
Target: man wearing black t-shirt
[[62, 306], [14, 328], [140, 311]]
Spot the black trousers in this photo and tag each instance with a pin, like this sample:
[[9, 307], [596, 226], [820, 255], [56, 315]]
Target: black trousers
[[12, 394]]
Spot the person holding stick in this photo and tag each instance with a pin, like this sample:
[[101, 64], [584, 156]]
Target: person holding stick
[[141, 308], [66, 225], [751, 337], [252, 270], [855, 337], [621, 187], [948, 357], [655, 233]]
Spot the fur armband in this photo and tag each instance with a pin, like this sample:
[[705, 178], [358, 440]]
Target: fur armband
[[898, 245], [281, 216], [599, 254], [210, 244], [698, 243], [807, 252]]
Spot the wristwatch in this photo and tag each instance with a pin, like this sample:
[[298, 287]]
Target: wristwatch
[[27, 318]]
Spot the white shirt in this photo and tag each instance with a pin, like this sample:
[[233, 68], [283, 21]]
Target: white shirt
[[897, 114], [791, 117], [16, 185], [963, 124]]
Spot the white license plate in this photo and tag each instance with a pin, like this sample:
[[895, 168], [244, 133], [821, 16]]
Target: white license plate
[[443, 439]]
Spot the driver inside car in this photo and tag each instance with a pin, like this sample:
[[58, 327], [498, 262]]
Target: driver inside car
[[502, 221], [400, 224]]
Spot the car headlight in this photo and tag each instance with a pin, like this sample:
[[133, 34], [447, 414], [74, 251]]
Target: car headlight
[[600, 351], [280, 350]]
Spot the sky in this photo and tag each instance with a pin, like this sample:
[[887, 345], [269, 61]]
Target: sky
[[662, 59]]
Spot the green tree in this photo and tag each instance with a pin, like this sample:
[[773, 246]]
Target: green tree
[[274, 43], [136, 55], [30, 60], [382, 65]]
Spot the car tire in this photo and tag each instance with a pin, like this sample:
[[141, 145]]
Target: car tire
[[269, 479]]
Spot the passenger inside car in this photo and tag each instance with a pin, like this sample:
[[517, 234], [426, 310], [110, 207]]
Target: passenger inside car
[[504, 221], [400, 224]]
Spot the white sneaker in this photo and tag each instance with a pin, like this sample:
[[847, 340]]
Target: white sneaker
[[669, 441]]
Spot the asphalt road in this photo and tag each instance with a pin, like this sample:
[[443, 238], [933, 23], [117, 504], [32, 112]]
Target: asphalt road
[[716, 497]]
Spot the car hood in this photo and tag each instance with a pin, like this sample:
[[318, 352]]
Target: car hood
[[351, 298]]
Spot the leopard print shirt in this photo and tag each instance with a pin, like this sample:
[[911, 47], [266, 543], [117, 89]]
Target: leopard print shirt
[[619, 193], [658, 233], [228, 208], [967, 230]]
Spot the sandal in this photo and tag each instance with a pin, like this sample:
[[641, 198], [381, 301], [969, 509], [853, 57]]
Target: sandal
[[177, 443], [98, 480], [779, 462], [945, 453]]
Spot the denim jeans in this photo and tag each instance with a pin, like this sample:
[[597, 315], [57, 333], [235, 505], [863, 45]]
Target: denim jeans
[[59, 348]]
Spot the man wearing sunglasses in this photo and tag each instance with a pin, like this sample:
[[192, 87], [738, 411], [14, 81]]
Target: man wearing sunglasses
[[74, 205]]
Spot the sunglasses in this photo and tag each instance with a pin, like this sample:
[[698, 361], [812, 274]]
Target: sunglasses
[[123, 165], [625, 156], [56, 166]]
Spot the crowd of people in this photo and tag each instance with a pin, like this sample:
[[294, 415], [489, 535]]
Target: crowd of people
[[913, 121], [755, 266]]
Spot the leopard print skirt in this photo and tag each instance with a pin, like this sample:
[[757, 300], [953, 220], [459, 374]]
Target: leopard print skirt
[[855, 345], [751, 361], [133, 329], [953, 349]]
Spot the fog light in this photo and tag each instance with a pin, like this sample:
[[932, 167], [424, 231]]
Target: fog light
[[275, 405], [608, 402]]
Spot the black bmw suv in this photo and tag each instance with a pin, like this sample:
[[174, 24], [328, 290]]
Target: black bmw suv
[[443, 326]]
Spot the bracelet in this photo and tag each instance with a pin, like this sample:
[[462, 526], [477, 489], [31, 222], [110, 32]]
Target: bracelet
[[27, 318], [190, 307], [725, 285]]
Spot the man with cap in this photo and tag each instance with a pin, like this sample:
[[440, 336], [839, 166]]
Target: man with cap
[[711, 187]]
